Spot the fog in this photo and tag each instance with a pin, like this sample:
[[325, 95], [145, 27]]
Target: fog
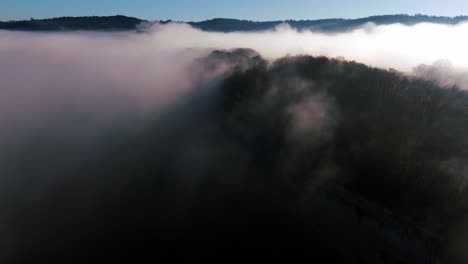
[[110, 75], [45, 68], [141, 114], [396, 46]]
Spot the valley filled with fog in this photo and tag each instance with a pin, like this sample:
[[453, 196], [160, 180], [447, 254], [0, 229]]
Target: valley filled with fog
[[112, 140]]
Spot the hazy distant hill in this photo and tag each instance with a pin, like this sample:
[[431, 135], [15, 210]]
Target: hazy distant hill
[[222, 24]]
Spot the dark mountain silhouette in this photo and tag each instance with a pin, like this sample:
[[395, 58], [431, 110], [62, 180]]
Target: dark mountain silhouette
[[223, 24]]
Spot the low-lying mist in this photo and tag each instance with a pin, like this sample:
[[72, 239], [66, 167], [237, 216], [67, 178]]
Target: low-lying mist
[[389, 46], [112, 143]]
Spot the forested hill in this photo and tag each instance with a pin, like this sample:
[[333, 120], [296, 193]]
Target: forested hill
[[74, 23], [222, 24], [337, 24]]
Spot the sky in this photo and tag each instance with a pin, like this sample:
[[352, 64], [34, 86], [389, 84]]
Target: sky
[[258, 10]]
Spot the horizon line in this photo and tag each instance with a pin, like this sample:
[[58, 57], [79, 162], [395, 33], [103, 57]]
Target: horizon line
[[240, 19]]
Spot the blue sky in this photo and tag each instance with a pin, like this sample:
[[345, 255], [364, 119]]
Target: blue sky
[[191, 10]]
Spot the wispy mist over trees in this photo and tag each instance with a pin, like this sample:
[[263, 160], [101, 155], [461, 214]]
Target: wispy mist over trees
[[393, 139]]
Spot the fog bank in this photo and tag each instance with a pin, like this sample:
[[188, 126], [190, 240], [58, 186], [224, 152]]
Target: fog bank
[[396, 46]]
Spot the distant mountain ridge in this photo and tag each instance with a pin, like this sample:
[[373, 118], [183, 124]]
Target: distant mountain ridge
[[334, 24], [120, 23]]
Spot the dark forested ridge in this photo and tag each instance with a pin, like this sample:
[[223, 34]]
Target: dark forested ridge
[[332, 25], [223, 24], [74, 23]]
